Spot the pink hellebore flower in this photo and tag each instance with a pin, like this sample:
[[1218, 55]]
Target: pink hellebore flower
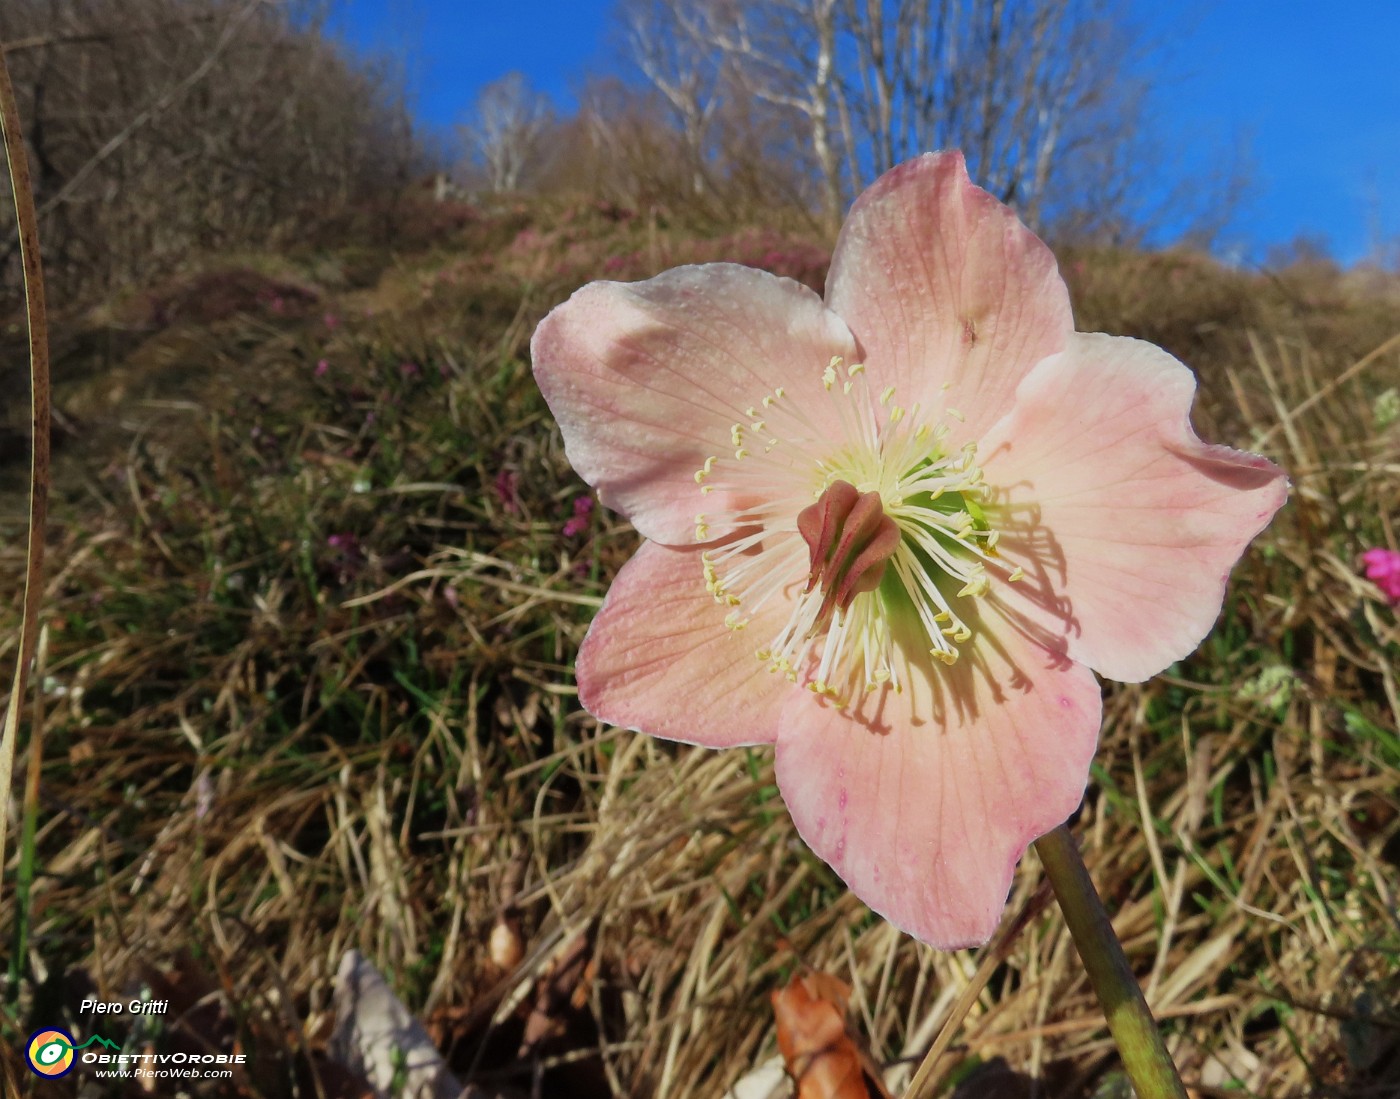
[[894, 533], [1383, 568]]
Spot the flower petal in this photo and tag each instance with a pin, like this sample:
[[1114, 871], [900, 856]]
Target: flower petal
[[942, 284], [659, 659], [646, 379], [1126, 524], [923, 803]]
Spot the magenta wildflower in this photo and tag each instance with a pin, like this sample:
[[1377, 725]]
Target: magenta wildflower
[[507, 487], [1383, 569], [583, 508]]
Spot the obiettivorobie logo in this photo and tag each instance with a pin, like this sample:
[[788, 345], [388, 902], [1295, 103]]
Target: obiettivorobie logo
[[51, 1051]]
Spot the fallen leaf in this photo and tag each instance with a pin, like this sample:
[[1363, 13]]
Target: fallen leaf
[[565, 984], [376, 1038], [820, 1056]]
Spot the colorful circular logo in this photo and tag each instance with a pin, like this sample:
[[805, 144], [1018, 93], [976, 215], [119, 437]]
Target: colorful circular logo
[[50, 1052]]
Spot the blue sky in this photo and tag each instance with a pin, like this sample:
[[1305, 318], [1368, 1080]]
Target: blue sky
[[1310, 92]]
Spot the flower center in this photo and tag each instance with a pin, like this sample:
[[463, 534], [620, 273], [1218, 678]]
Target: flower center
[[849, 539], [892, 524]]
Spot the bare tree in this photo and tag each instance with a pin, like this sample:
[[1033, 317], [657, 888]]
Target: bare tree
[[159, 128], [1021, 86], [784, 54], [688, 75], [506, 129]]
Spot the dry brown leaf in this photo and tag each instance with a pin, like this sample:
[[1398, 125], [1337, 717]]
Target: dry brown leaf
[[819, 1054], [565, 984]]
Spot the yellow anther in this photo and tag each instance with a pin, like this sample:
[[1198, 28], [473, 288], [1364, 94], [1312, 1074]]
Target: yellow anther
[[947, 656], [741, 453], [705, 490], [828, 377], [896, 414], [1017, 573], [736, 435], [887, 394], [953, 412], [855, 369], [976, 586]]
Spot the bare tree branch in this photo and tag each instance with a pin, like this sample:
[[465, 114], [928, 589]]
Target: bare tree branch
[[506, 128]]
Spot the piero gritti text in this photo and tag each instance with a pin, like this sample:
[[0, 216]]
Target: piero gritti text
[[124, 1007]]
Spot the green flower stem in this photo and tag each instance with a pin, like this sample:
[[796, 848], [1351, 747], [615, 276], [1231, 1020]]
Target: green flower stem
[[1145, 1057]]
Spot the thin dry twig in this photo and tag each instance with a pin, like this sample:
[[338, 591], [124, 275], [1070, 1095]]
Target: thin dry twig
[[37, 316]]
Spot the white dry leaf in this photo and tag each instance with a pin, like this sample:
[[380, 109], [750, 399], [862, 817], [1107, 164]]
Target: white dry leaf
[[377, 1037], [766, 1081]]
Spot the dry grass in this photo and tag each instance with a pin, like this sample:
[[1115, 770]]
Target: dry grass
[[307, 686]]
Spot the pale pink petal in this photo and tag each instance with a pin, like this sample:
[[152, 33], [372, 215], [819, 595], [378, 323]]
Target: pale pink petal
[[924, 801], [646, 379], [659, 658], [941, 284], [1126, 524]]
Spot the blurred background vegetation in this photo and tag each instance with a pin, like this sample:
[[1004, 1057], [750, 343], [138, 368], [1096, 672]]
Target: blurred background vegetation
[[318, 570]]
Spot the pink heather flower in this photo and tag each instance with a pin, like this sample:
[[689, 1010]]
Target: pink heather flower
[[322, 367], [578, 523], [1383, 568], [507, 486], [894, 533]]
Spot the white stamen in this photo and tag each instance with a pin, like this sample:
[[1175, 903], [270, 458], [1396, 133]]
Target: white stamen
[[757, 559]]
